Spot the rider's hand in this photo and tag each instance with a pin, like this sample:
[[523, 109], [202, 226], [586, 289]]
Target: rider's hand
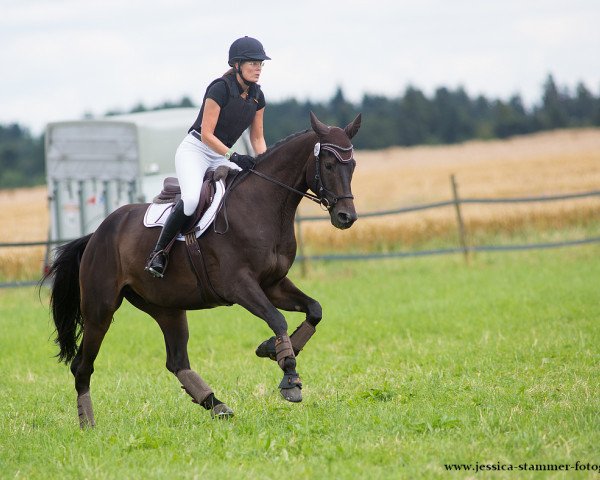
[[245, 162]]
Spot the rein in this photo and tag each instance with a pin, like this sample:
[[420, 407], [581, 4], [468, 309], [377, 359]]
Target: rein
[[321, 198], [310, 196]]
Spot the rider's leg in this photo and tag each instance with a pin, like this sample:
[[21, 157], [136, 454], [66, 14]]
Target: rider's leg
[[191, 165], [158, 258]]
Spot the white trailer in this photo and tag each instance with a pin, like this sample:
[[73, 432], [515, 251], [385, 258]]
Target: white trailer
[[95, 166]]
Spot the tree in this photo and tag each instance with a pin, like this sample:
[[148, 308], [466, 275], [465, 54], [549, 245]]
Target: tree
[[510, 118], [341, 111], [582, 107], [452, 122], [21, 157], [417, 118], [553, 113]]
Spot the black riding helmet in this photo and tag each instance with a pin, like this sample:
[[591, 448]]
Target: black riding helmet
[[246, 48]]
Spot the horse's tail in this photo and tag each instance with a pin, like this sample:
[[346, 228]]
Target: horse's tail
[[65, 298]]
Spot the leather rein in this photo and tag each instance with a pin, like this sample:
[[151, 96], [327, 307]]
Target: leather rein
[[323, 191]]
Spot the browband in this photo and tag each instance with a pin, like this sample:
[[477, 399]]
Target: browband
[[337, 150]]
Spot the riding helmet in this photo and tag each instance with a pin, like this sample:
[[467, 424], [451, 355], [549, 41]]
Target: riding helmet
[[246, 48]]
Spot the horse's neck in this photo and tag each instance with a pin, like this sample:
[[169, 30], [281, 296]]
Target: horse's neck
[[288, 165]]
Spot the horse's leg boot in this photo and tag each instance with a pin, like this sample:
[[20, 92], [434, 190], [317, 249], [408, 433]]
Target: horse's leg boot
[[301, 335], [193, 384], [299, 338], [85, 411], [202, 394], [285, 353]]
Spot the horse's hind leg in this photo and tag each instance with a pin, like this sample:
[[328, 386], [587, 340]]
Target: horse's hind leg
[[99, 300], [97, 319], [174, 326], [286, 296]]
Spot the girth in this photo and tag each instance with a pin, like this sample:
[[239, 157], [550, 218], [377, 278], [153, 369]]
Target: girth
[[212, 298]]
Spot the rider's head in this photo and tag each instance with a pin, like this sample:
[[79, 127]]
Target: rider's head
[[246, 55]]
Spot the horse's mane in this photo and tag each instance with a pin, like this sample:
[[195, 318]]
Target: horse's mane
[[279, 144]]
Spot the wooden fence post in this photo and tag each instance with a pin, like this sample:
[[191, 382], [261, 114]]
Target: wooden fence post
[[300, 244], [461, 226]]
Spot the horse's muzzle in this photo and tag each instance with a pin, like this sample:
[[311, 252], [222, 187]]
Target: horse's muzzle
[[343, 218]]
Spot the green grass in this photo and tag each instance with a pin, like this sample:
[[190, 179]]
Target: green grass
[[417, 363]]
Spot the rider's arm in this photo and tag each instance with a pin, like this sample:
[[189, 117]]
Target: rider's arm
[[210, 116], [257, 136]]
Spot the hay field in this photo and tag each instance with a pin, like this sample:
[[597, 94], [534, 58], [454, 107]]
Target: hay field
[[562, 161], [23, 218]]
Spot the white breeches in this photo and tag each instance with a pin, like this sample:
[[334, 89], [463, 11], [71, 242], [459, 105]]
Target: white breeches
[[192, 160]]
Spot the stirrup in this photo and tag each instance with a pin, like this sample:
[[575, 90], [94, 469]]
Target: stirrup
[[153, 270]]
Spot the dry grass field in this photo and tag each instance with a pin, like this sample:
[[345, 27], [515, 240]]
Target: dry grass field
[[542, 164], [23, 218], [564, 161]]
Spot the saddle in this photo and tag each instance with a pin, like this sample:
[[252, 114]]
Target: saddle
[[171, 193]]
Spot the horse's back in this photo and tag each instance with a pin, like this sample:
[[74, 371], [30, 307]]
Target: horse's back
[[120, 241]]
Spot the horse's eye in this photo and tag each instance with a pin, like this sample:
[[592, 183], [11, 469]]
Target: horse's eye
[[329, 166]]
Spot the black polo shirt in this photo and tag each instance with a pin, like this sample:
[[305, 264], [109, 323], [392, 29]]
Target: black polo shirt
[[218, 92], [236, 112]]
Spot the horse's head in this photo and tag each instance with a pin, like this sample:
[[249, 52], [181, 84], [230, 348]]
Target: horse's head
[[331, 176]]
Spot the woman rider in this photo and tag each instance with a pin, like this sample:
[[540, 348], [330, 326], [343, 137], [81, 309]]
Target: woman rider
[[231, 104]]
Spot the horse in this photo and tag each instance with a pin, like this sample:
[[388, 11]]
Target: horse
[[247, 264]]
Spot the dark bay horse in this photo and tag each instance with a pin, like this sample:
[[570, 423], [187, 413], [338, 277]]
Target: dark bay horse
[[248, 265]]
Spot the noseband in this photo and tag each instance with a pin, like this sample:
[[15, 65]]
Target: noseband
[[322, 192]]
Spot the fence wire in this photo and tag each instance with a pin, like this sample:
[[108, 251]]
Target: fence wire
[[457, 202]]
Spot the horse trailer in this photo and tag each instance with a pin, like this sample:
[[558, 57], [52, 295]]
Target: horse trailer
[[95, 166]]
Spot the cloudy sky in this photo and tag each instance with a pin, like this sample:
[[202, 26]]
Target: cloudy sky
[[62, 58]]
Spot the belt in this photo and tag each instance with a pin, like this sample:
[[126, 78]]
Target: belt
[[196, 134]]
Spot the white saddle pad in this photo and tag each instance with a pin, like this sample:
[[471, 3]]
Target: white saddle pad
[[157, 213]]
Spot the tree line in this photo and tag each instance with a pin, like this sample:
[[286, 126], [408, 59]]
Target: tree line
[[413, 118]]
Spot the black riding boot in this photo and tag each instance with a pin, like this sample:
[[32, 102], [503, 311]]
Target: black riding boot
[[158, 258]]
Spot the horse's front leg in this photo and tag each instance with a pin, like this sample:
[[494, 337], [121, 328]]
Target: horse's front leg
[[255, 301], [287, 296]]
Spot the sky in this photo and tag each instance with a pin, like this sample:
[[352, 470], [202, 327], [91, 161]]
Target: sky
[[61, 59]]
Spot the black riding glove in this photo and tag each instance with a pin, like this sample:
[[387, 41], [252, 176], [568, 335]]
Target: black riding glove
[[245, 162]]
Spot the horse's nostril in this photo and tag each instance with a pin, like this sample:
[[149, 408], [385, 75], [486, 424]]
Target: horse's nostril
[[345, 218]]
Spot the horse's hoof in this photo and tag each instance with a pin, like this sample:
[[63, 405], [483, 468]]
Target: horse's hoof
[[292, 394], [267, 349], [221, 411]]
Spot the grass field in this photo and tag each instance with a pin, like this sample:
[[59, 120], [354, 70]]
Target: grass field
[[418, 363]]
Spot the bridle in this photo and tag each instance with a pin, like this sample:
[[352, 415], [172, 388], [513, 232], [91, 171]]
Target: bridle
[[338, 151], [324, 197]]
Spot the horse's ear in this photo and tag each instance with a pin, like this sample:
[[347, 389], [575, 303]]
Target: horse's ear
[[353, 127], [319, 127]]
